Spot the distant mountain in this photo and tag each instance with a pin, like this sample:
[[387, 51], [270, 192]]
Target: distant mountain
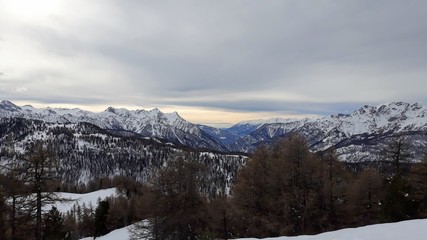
[[246, 127], [168, 126], [357, 136], [224, 135]]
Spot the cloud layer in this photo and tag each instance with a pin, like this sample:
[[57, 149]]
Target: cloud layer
[[282, 57]]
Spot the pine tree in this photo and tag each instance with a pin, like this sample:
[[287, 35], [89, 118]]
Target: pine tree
[[53, 225], [101, 215]]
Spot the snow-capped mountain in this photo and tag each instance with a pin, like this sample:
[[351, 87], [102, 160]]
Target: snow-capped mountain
[[224, 135], [246, 127], [154, 123], [356, 136], [230, 136], [353, 135]]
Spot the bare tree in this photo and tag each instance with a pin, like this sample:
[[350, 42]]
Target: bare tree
[[41, 167], [397, 204], [12, 185], [177, 210], [397, 153], [29, 176]]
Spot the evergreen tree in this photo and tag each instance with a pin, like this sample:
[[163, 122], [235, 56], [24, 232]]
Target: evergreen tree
[[53, 225], [398, 204], [101, 215]]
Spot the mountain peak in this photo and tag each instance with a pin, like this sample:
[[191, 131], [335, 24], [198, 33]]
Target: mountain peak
[[110, 109], [156, 112], [173, 117], [9, 106], [388, 108]]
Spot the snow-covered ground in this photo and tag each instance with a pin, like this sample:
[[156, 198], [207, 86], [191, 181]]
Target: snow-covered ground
[[88, 199], [119, 234], [413, 230]]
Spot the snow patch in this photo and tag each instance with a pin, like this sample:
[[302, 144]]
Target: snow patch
[[88, 199], [412, 229]]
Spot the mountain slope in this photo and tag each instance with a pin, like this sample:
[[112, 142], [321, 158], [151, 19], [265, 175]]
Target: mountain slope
[[87, 152], [154, 123], [356, 137], [353, 135]]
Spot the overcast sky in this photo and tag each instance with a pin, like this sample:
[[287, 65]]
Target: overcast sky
[[214, 61]]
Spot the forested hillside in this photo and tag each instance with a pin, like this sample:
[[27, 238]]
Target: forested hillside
[[87, 152], [287, 186]]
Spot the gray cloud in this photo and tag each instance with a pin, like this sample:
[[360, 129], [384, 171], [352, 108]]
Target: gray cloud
[[333, 55]]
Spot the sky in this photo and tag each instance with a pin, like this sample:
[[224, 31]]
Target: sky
[[214, 62]]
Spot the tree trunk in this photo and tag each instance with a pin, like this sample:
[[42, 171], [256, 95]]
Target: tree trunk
[[13, 218], [224, 215], [39, 214]]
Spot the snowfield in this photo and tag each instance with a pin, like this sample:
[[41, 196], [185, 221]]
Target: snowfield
[[119, 234], [412, 229], [88, 199]]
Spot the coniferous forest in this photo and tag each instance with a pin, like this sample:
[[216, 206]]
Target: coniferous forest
[[282, 189]]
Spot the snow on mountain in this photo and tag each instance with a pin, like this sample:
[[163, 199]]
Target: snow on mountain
[[354, 135], [86, 152], [264, 121], [413, 229], [8, 106], [246, 127], [225, 136], [153, 123], [230, 136]]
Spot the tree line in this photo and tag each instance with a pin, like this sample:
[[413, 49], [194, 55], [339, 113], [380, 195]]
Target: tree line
[[284, 189]]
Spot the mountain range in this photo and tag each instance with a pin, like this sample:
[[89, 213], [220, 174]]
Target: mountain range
[[356, 136]]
